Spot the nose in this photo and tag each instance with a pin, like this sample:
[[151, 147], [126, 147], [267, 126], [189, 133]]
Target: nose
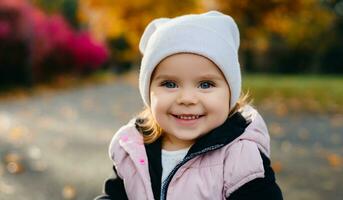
[[187, 97]]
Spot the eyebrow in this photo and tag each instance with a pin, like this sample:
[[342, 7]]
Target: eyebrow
[[203, 77], [211, 77], [164, 76]]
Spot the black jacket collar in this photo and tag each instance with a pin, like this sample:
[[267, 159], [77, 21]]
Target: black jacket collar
[[233, 127]]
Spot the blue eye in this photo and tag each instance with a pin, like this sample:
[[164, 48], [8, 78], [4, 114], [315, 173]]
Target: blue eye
[[206, 84], [168, 84]]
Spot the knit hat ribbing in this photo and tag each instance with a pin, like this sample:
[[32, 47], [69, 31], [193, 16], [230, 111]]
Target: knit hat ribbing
[[212, 35]]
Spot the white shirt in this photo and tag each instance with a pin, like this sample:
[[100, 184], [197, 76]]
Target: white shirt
[[170, 159]]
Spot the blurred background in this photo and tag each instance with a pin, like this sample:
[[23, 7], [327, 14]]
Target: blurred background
[[68, 81]]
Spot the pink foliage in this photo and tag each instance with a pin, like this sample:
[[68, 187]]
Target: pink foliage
[[12, 4], [50, 33], [5, 29], [51, 36], [13, 19], [86, 52]]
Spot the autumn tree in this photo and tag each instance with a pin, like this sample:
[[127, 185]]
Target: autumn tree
[[281, 35], [276, 35], [68, 8], [122, 22]]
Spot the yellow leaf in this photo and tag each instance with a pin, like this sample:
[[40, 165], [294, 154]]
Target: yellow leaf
[[69, 192], [277, 166], [334, 160]]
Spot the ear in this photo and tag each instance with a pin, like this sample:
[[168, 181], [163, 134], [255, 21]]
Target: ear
[[149, 30]]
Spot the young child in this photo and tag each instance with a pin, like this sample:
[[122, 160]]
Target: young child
[[197, 138]]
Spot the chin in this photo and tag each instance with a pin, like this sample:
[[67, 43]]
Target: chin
[[190, 138]]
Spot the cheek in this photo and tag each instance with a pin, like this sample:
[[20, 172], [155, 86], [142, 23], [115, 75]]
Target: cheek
[[159, 103], [218, 103], [154, 105], [218, 107]]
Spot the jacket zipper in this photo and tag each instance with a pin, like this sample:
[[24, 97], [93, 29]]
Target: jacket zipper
[[166, 183]]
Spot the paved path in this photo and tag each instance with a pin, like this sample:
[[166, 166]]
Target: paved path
[[54, 145]]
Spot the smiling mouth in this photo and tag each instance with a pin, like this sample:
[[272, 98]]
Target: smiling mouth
[[188, 116]]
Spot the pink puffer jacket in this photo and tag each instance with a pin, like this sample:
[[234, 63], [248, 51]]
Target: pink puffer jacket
[[213, 175]]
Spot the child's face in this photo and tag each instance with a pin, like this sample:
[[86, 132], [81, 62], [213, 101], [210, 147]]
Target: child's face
[[189, 97]]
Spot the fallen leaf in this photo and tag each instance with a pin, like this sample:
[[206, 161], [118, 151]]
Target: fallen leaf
[[295, 103], [281, 110], [69, 192], [334, 160], [312, 104], [16, 133], [19, 134], [15, 167], [276, 129], [13, 163], [277, 166]]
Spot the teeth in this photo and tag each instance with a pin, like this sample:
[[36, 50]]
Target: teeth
[[188, 117]]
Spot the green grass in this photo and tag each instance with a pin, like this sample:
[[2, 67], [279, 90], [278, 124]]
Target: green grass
[[309, 92]]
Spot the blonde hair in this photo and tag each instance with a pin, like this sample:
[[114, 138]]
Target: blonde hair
[[151, 130]]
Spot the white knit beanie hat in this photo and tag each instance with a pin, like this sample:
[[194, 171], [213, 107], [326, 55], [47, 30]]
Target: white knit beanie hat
[[213, 35]]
